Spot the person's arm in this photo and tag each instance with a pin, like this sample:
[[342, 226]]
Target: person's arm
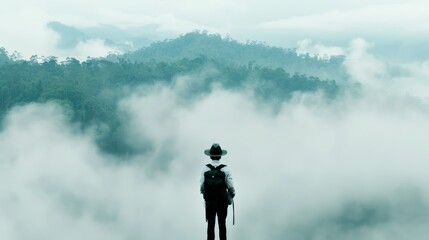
[[229, 182], [202, 181]]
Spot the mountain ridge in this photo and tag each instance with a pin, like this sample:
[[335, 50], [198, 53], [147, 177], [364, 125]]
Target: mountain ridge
[[213, 46]]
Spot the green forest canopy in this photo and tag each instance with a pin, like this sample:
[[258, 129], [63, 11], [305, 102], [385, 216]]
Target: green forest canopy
[[196, 44], [92, 89]]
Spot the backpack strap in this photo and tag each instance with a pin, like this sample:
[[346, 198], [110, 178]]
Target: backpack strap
[[216, 168], [211, 167], [220, 166]]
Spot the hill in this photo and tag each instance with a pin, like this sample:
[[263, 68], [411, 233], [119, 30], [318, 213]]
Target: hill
[[213, 46], [123, 40], [91, 90]]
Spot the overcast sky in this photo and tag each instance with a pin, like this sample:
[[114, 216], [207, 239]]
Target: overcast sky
[[284, 23]]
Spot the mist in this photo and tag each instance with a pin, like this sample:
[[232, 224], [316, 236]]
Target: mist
[[350, 168], [397, 25]]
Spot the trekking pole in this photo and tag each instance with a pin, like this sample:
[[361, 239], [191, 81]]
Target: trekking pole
[[233, 213], [205, 211]]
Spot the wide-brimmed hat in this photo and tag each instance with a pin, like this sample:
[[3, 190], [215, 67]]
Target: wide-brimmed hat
[[215, 151]]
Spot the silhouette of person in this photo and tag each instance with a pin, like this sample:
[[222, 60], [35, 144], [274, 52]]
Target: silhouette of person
[[217, 187]]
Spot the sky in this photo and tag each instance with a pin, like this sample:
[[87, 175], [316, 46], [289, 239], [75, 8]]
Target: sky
[[402, 25], [354, 168]]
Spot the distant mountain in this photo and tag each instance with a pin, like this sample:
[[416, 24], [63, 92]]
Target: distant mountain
[[69, 36], [213, 46], [122, 39]]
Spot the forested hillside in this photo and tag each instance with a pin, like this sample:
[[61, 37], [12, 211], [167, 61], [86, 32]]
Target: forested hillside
[[90, 90], [213, 46]]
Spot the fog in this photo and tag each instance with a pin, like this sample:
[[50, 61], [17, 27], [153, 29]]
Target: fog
[[352, 168], [397, 25]]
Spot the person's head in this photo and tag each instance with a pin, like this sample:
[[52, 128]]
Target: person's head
[[215, 152]]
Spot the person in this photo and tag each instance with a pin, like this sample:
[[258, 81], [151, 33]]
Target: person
[[217, 187]]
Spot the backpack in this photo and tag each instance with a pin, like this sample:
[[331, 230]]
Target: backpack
[[215, 185]]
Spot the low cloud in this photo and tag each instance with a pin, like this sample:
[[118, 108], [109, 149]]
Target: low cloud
[[349, 169], [52, 171], [391, 78], [320, 51], [92, 48], [352, 168], [363, 66]]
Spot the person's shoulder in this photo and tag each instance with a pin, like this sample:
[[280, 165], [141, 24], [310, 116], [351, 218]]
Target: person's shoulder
[[205, 168], [225, 168]]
